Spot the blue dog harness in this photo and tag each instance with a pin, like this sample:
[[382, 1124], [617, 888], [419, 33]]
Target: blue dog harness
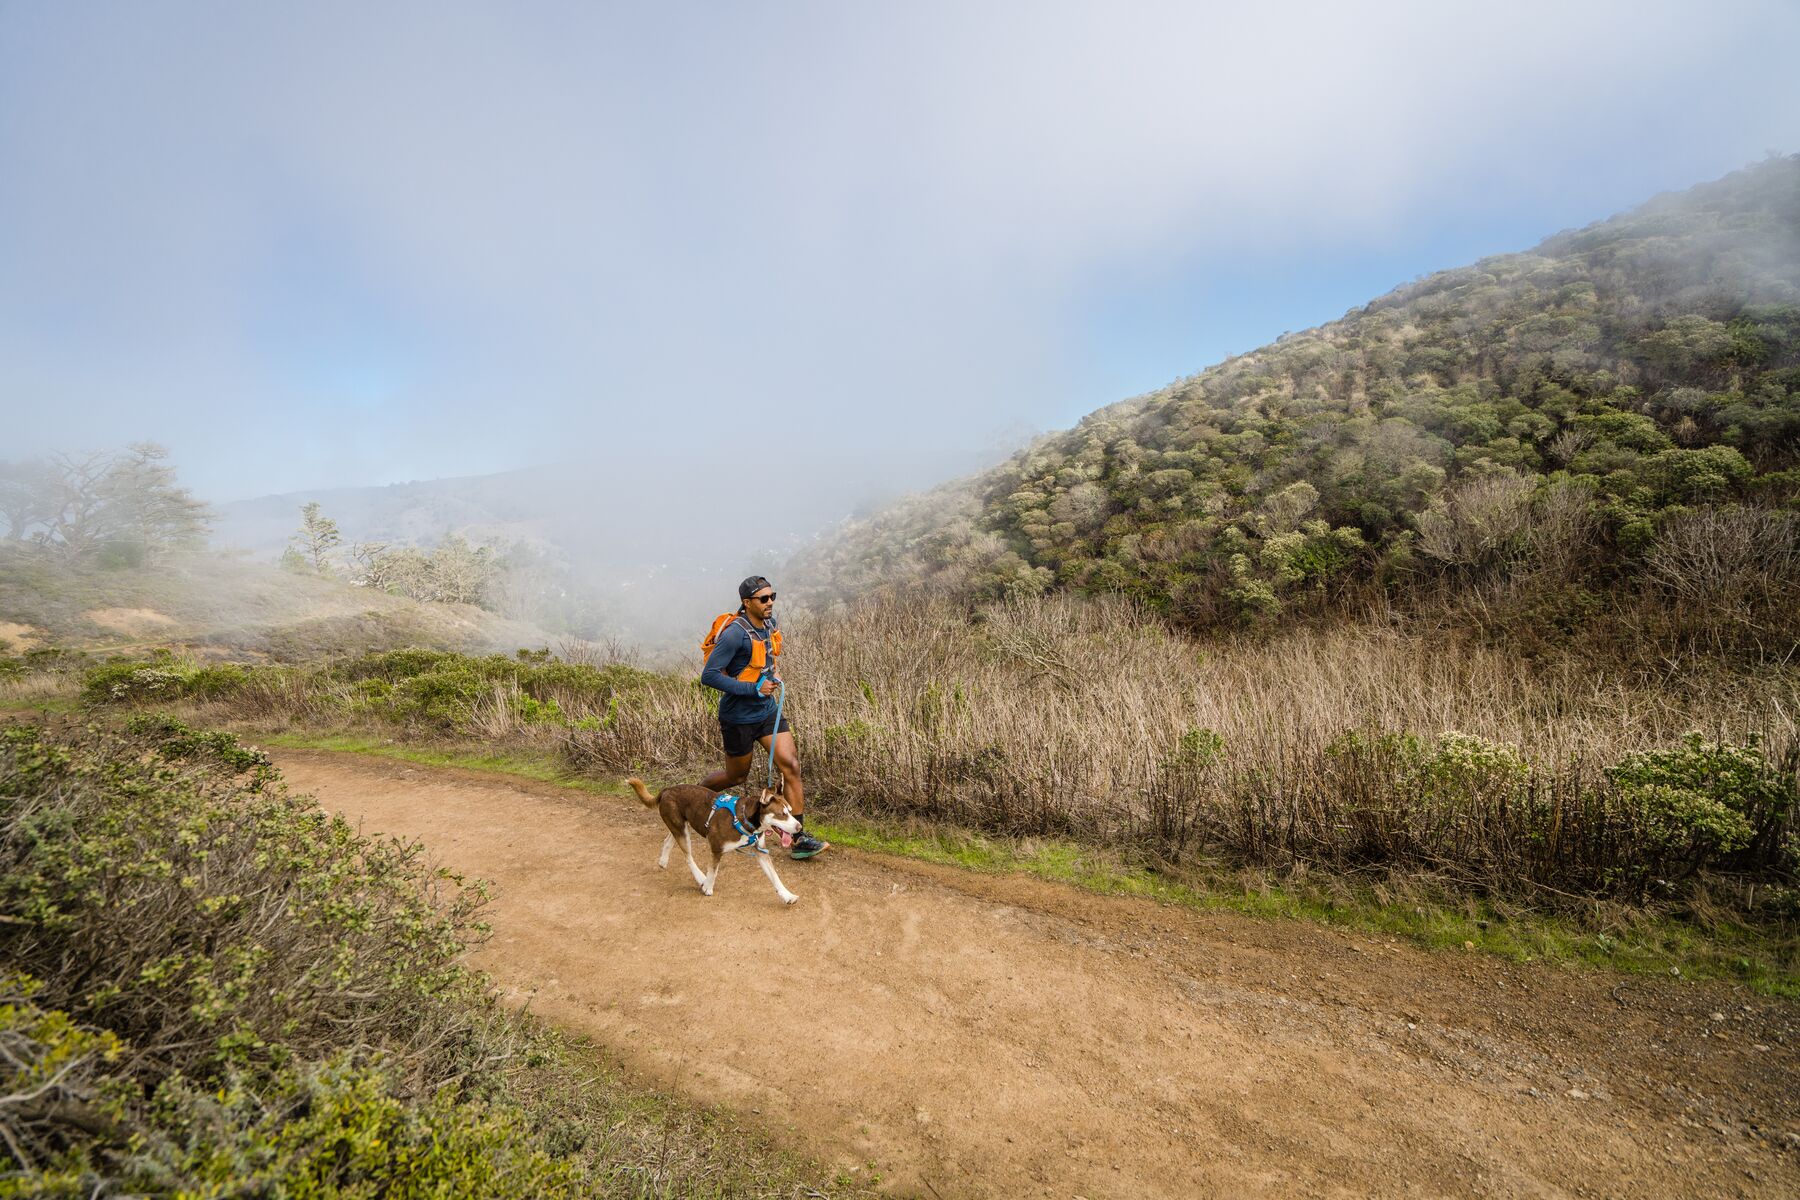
[[728, 802]]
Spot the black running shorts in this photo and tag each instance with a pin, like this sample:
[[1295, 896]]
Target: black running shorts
[[741, 739]]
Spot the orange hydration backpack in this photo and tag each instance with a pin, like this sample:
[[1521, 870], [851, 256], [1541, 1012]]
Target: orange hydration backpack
[[759, 657]]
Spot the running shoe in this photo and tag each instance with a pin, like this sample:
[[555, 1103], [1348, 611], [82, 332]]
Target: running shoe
[[806, 845]]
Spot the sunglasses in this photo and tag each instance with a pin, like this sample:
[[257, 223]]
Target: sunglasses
[[768, 599]]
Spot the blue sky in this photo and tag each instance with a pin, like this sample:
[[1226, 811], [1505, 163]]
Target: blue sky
[[334, 244]]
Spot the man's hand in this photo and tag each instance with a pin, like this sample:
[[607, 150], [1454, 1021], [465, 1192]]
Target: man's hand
[[768, 687]]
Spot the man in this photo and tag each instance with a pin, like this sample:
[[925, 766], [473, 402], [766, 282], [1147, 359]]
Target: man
[[742, 665]]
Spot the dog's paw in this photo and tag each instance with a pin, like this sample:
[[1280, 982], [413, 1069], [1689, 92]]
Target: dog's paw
[[789, 898]]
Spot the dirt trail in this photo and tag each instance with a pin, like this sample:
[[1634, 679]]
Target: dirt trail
[[999, 1036]]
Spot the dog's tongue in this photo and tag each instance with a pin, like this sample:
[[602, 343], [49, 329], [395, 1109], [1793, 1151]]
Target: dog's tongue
[[787, 839]]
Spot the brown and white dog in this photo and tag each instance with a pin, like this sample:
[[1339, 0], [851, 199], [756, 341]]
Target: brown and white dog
[[688, 809]]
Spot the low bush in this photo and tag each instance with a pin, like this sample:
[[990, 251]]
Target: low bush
[[162, 679]]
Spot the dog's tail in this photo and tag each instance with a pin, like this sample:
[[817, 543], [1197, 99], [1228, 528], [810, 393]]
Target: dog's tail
[[637, 785]]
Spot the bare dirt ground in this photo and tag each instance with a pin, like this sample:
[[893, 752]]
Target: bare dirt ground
[[975, 1035]]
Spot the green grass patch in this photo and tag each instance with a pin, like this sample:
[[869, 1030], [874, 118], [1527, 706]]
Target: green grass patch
[[1761, 961]]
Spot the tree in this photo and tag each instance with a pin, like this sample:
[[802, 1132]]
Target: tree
[[124, 505], [310, 548], [462, 573], [78, 522], [146, 511]]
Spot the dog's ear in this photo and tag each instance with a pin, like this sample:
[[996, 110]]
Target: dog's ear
[[766, 800]]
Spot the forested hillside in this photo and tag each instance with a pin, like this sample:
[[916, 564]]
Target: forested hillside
[[1617, 407]]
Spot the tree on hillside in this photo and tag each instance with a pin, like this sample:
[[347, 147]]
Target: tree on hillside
[[309, 549], [146, 507], [119, 508]]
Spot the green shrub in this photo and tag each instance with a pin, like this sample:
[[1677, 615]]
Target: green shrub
[[850, 732], [393, 665], [163, 678], [444, 697], [204, 909], [129, 682], [333, 1129], [47, 1055], [167, 893], [211, 683], [1702, 801]]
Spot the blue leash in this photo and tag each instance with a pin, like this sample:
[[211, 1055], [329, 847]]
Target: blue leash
[[780, 700]]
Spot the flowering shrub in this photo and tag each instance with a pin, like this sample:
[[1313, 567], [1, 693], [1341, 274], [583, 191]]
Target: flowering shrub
[[1703, 800]]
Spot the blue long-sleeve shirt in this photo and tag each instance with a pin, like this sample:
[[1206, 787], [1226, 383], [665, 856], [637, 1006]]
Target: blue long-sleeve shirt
[[743, 702]]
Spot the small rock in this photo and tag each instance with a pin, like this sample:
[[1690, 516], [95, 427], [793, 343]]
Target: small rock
[[1718, 1016], [1468, 945], [1760, 1046], [1576, 1094], [1675, 970]]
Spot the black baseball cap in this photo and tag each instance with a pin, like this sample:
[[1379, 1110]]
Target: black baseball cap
[[751, 586]]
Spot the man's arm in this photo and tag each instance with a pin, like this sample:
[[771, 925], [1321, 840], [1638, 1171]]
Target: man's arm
[[731, 640]]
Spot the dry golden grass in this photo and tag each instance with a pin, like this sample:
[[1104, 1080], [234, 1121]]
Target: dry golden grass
[[1092, 718]]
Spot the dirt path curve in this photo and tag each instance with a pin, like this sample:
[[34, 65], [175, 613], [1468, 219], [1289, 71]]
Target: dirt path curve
[[997, 1036]]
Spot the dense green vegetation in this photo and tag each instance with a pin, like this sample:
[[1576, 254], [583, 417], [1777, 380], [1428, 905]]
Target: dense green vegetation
[[214, 988], [1617, 408]]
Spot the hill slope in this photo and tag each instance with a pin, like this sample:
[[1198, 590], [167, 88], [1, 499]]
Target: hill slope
[[1616, 404]]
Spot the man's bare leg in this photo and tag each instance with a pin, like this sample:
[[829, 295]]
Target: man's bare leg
[[787, 761], [734, 772]]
